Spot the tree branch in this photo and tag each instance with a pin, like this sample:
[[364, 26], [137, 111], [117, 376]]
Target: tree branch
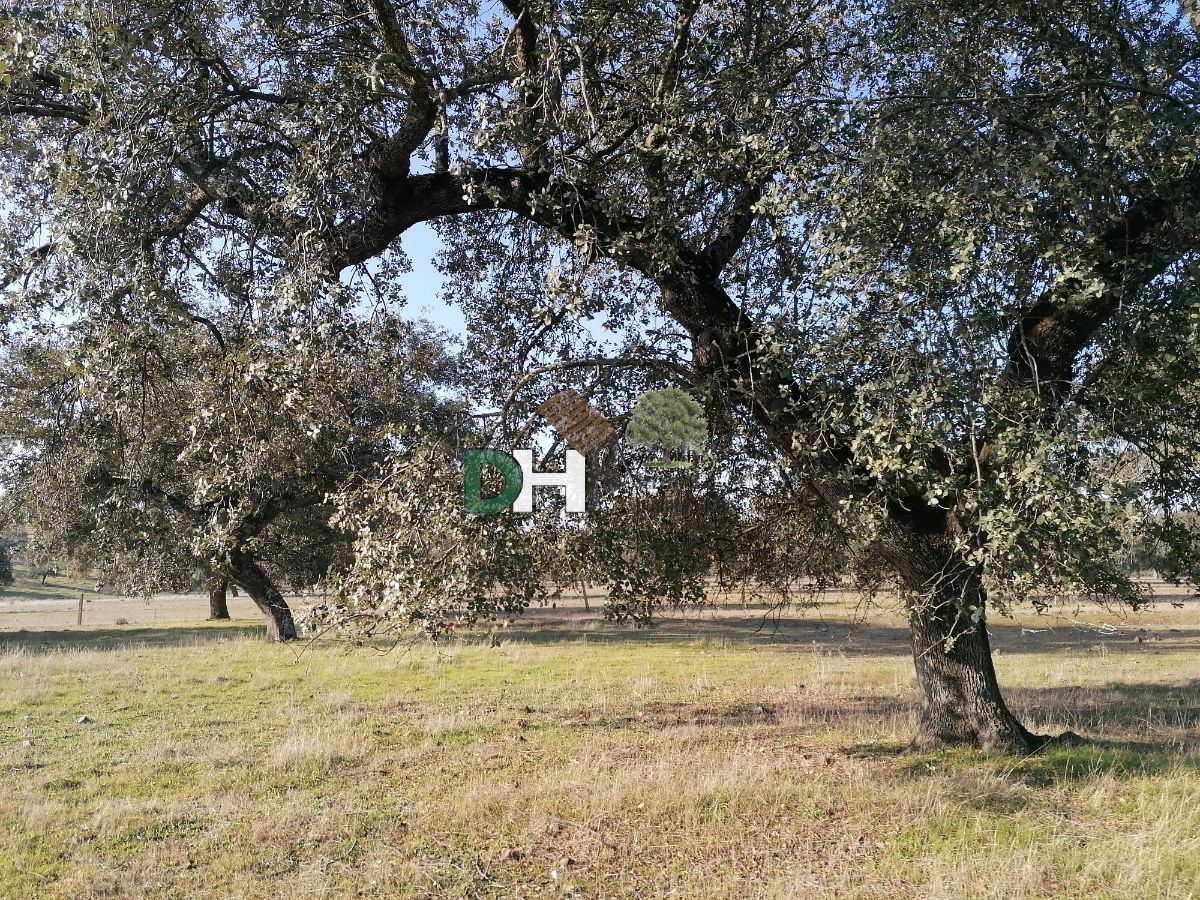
[[212, 329], [391, 158], [1043, 347], [532, 147], [678, 370], [732, 234]]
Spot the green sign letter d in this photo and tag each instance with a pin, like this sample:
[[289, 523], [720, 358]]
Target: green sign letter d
[[510, 470]]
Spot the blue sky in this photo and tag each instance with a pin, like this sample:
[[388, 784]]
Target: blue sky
[[422, 285]]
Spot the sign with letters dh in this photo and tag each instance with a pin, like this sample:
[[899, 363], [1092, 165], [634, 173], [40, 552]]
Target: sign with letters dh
[[583, 428], [519, 481]]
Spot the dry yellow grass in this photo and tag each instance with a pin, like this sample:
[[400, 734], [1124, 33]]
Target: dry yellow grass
[[703, 758]]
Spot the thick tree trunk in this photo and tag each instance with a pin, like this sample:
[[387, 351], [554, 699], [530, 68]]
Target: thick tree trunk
[[961, 703], [218, 599], [268, 598]]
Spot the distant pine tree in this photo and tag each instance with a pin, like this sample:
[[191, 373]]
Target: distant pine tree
[[668, 420]]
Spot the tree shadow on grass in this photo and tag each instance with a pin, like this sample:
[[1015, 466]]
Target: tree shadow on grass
[[841, 637], [1056, 765], [1062, 763], [1126, 731], [548, 627], [1146, 716], [122, 638], [1113, 720], [834, 636]]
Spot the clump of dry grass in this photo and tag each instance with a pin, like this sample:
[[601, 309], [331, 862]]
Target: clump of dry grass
[[318, 748]]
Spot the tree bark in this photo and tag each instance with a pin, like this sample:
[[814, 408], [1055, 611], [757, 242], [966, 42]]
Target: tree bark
[[961, 702], [266, 596], [218, 599]]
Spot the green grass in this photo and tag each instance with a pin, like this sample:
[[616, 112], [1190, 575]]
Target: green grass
[[57, 587], [699, 759]]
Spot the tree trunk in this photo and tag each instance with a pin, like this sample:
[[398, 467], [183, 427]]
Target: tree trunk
[[218, 602], [268, 598], [961, 703]]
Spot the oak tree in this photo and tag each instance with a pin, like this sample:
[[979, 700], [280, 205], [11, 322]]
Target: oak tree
[[935, 260]]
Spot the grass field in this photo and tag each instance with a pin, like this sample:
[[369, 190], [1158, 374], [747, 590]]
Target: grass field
[[52, 587], [708, 757]]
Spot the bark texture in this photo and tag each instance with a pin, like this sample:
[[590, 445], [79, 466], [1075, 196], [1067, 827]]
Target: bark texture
[[961, 702], [218, 599], [266, 596]]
